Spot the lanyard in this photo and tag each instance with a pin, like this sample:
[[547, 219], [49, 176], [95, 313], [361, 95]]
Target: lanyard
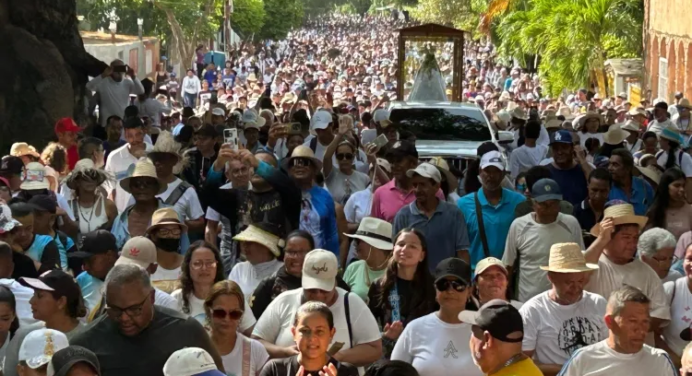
[[394, 301]]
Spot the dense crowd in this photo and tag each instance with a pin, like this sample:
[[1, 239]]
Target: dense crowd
[[263, 229]]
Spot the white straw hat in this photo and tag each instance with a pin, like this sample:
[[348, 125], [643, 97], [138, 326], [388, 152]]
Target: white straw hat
[[143, 169], [567, 258], [376, 232], [263, 236]]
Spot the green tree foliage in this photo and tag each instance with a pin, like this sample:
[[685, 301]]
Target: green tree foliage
[[573, 37], [248, 17], [281, 17]]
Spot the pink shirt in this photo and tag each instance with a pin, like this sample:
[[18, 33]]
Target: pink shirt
[[388, 200]]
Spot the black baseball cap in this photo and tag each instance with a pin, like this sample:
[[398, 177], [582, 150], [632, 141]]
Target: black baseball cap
[[56, 281], [44, 203], [453, 267], [63, 360], [11, 165], [499, 318], [96, 243], [402, 149], [207, 130]]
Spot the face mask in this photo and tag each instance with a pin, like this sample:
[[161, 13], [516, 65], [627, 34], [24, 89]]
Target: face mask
[[168, 245]]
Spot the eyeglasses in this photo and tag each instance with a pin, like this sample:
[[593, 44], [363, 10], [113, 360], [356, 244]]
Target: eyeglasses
[[346, 156], [295, 254], [221, 314], [132, 311], [143, 183], [197, 265], [170, 232], [444, 285], [300, 162]]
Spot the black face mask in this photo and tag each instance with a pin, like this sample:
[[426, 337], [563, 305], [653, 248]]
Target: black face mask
[[168, 245]]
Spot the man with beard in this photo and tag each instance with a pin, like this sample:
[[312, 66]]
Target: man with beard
[[570, 174], [165, 231], [114, 87], [623, 353], [273, 196]]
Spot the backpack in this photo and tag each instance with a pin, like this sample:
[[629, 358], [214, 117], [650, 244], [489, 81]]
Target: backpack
[[177, 193]]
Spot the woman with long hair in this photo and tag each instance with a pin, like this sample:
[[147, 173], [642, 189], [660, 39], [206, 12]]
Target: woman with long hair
[[201, 269], [437, 330], [406, 291], [9, 322], [344, 180], [670, 209], [673, 154], [224, 307], [313, 331], [589, 125], [54, 158]]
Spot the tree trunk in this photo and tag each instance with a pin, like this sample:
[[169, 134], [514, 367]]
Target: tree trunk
[[46, 69]]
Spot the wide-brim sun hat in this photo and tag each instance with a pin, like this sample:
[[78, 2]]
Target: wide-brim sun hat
[[567, 258], [671, 133], [302, 151], [631, 125], [581, 120], [254, 234], [684, 103], [553, 124], [375, 232], [86, 169], [166, 145], [143, 169], [615, 135], [165, 216], [20, 149], [621, 214], [652, 173]]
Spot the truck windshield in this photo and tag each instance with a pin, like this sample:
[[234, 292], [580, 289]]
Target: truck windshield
[[453, 124]]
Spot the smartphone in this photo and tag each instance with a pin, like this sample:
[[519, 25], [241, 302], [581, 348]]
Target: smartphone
[[230, 136], [120, 69], [380, 141], [295, 128], [335, 348]]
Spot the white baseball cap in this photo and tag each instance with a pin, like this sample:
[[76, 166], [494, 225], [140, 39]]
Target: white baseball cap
[[426, 170], [191, 361], [39, 346], [380, 115], [138, 251], [34, 177], [218, 112], [319, 270], [492, 158], [320, 120]]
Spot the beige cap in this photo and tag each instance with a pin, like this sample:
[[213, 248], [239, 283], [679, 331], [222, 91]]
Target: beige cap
[[138, 251], [487, 262]]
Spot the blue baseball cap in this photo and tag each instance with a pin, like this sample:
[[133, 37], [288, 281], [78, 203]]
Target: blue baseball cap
[[561, 137], [546, 189]]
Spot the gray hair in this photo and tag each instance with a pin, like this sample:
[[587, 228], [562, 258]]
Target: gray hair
[[653, 240], [623, 295], [128, 273]]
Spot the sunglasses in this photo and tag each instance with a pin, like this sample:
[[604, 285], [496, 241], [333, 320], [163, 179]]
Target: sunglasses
[[444, 285], [346, 156], [300, 162], [221, 314]]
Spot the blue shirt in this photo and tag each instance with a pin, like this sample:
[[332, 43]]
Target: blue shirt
[[642, 195], [92, 289], [177, 129], [122, 234], [496, 220], [572, 183], [318, 217], [445, 232]]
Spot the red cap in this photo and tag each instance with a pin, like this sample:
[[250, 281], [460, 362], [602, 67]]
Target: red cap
[[67, 125]]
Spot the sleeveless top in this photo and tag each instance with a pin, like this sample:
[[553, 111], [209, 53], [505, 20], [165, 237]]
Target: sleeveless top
[[89, 219]]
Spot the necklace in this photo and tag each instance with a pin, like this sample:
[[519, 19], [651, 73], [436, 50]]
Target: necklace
[[515, 359], [91, 215]]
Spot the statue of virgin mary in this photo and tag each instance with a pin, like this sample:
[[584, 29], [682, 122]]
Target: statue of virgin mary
[[429, 85]]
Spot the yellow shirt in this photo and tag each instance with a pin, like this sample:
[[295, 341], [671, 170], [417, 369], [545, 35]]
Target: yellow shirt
[[523, 368]]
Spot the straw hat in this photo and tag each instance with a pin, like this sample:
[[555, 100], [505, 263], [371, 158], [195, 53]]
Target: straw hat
[[34, 177], [143, 169], [631, 125], [671, 133], [685, 103], [252, 77], [637, 111], [567, 258], [621, 214], [165, 216], [443, 166], [302, 151], [566, 112], [615, 135], [20, 149], [553, 124], [166, 144], [262, 233], [581, 120], [519, 113], [375, 232], [650, 172], [85, 169]]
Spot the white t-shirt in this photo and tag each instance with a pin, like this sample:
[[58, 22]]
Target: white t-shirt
[[524, 157], [610, 277], [118, 163], [601, 360], [685, 166], [532, 241], [197, 310], [357, 207], [679, 299], [188, 205], [166, 274], [248, 276], [163, 299], [434, 347], [233, 361], [360, 161], [556, 331], [585, 136], [276, 321], [22, 295]]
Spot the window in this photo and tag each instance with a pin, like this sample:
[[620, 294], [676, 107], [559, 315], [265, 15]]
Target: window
[[663, 78], [452, 124]]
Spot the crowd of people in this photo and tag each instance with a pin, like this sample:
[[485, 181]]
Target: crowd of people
[[264, 231]]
